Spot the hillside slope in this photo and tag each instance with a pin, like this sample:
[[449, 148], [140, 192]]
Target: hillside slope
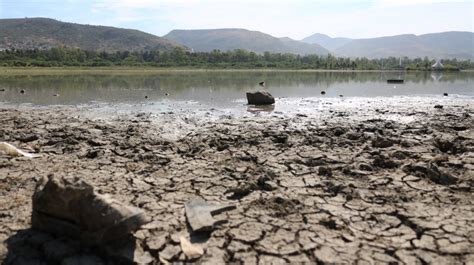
[[44, 33], [454, 44]]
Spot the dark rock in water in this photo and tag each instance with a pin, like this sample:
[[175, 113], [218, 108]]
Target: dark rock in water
[[341, 96], [69, 207], [323, 92], [22, 91], [445, 94], [260, 98], [146, 96], [438, 106]]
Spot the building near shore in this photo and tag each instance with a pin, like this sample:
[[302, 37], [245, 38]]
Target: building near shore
[[438, 65]]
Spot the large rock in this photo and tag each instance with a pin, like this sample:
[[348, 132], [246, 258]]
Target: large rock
[[70, 207], [260, 98]]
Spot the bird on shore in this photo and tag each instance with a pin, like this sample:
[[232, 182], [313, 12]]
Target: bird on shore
[[262, 84]]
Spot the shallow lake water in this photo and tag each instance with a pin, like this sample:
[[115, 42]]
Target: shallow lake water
[[224, 90]]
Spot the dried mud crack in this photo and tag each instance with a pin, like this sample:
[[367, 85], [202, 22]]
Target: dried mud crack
[[333, 191]]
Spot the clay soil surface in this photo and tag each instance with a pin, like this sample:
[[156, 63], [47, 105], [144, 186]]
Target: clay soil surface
[[339, 188]]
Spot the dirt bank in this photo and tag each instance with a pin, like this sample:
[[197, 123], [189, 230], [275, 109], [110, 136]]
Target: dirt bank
[[338, 188]]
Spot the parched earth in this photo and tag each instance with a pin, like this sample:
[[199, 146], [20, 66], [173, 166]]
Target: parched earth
[[328, 190]]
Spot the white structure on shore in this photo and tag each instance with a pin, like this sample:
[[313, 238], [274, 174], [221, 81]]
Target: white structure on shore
[[437, 65]]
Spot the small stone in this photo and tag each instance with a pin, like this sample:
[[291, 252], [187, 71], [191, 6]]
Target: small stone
[[381, 142], [324, 171], [438, 106], [170, 252], [192, 251]]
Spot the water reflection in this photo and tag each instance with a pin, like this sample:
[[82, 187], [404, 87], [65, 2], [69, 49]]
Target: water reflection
[[260, 108], [223, 88]]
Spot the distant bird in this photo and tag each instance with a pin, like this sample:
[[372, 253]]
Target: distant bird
[[167, 94], [146, 96], [323, 92], [22, 91], [262, 84], [445, 94], [341, 96]]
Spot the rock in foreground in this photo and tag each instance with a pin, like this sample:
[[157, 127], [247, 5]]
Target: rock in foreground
[[260, 98], [70, 207]]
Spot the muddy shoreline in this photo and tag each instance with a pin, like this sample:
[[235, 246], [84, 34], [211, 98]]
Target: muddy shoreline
[[336, 186]]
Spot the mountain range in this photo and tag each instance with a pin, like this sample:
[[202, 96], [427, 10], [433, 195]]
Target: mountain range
[[45, 33], [206, 40], [326, 41], [452, 44]]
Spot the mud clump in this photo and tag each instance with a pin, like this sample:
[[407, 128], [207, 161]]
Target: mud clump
[[277, 206]]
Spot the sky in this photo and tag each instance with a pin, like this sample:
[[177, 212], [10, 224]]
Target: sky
[[295, 19]]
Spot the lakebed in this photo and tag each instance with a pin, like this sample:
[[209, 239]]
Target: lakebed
[[343, 180]]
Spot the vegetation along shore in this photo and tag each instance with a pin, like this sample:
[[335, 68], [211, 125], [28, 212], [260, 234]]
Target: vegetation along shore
[[236, 59]]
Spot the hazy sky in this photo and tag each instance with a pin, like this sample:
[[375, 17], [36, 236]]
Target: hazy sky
[[296, 19]]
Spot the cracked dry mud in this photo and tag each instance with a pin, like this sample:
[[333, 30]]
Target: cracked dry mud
[[332, 190]]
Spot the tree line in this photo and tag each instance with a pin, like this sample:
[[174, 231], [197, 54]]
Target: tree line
[[240, 58]]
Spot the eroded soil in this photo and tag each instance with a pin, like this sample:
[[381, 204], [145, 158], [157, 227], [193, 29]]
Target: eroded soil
[[334, 190]]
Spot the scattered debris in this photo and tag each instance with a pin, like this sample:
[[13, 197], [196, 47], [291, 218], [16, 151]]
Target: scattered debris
[[70, 207], [199, 214], [13, 151], [192, 251], [260, 98]]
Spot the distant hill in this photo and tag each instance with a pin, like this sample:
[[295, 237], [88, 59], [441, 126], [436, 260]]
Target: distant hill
[[230, 39], [44, 33], [436, 45], [326, 41]]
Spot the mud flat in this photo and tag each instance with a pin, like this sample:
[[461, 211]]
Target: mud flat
[[386, 184]]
